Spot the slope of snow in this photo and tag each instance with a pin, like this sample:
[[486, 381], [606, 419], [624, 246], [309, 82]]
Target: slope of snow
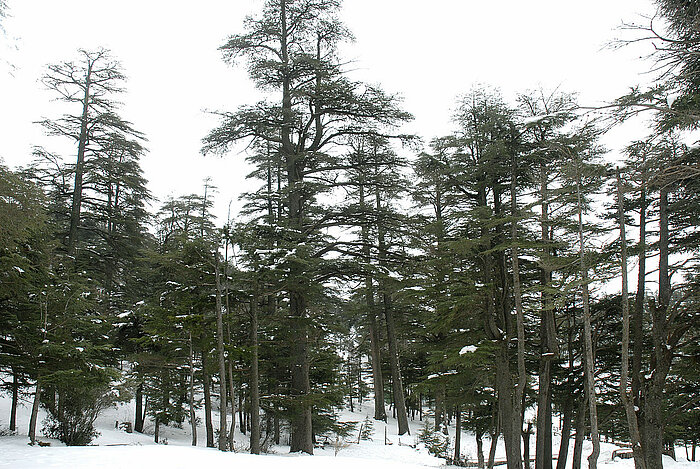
[[115, 448]]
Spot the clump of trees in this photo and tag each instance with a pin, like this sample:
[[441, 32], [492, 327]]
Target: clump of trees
[[478, 299]]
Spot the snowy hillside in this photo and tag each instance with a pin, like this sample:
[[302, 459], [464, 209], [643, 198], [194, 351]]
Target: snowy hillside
[[115, 448]]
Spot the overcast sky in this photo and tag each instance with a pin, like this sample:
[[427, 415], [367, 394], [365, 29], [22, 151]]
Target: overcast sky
[[428, 51]]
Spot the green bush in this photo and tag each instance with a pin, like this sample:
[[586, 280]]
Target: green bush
[[437, 443], [73, 400]]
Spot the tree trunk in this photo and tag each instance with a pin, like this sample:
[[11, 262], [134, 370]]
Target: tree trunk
[[80, 166], [254, 386], [479, 449], [580, 433], [223, 407], [548, 345], [396, 381], [193, 416], [458, 435], [638, 312], [510, 422], [138, 425], [35, 413], [653, 394], [375, 343], [518, 398], [526, 445], [627, 401], [439, 418], [300, 421], [15, 398], [494, 441], [207, 402], [233, 404], [565, 433], [156, 432], [588, 340]]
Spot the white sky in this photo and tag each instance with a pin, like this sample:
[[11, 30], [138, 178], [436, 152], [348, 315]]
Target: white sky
[[429, 52]]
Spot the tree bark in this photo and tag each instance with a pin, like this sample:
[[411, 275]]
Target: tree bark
[[254, 386], [233, 405], [35, 413], [580, 433], [638, 312], [79, 166], [396, 381], [479, 449], [15, 399], [520, 316], [627, 400], [653, 392], [526, 445], [223, 407], [138, 425], [458, 435], [548, 346], [375, 344], [588, 339], [207, 402], [156, 432], [193, 416], [565, 433], [495, 431], [439, 417]]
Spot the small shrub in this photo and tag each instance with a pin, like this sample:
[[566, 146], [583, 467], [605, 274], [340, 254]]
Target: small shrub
[[73, 400], [437, 443], [366, 429]]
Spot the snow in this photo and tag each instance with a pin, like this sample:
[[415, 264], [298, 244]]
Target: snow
[[466, 349], [116, 449]]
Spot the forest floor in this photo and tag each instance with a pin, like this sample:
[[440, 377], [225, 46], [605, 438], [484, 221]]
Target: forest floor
[[115, 448]]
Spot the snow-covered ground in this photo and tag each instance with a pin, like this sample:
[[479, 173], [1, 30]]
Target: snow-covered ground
[[117, 449]]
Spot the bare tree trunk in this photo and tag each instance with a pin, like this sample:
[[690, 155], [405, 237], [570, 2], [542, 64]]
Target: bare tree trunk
[[479, 449], [156, 432], [35, 413], [439, 418], [223, 407], [494, 441], [302, 431], [233, 405], [548, 345], [588, 340], [458, 434], [193, 416], [627, 402], [526, 445], [662, 354], [580, 432], [396, 381], [138, 425], [207, 402], [638, 312], [375, 344], [565, 433], [254, 386], [520, 316], [15, 398]]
